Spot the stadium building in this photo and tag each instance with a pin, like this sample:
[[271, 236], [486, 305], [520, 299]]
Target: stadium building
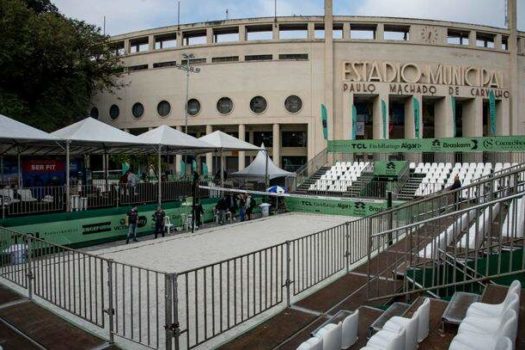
[[266, 80]]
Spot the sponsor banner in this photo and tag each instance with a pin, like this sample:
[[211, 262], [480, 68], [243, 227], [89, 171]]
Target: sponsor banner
[[334, 207], [461, 144], [492, 112], [324, 121], [391, 168]]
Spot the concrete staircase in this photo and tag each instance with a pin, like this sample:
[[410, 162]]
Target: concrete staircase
[[359, 185], [303, 188], [409, 189]]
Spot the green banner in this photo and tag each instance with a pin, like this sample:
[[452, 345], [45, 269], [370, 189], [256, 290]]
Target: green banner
[[417, 113], [458, 144], [391, 168], [385, 121], [453, 105], [324, 121], [354, 122], [334, 207], [492, 112]]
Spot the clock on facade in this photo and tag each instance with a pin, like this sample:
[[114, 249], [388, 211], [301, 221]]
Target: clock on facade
[[429, 35]]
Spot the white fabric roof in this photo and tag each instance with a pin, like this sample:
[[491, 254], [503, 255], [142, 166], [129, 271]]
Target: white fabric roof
[[221, 140], [16, 131], [172, 138], [258, 168], [90, 130]]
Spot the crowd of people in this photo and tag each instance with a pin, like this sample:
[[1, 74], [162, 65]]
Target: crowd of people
[[229, 204]]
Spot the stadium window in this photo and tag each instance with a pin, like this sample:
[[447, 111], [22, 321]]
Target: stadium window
[[225, 59], [194, 37], [363, 31], [294, 139], [485, 40], [139, 45], [293, 31], [293, 104], [259, 32], [292, 163], [194, 107], [225, 35], [163, 108], [258, 57], [294, 56], [118, 48], [258, 104], [260, 137], [137, 67], [194, 61], [166, 41], [94, 113], [114, 112], [337, 32], [398, 33], [224, 105], [455, 37], [137, 110], [319, 31], [164, 64]]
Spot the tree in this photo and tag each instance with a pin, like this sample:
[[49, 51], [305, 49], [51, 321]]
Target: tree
[[50, 65]]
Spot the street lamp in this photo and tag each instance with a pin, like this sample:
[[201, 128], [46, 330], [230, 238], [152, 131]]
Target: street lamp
[[188, 69]]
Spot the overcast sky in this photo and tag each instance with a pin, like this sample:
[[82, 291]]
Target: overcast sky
[[130, 15]]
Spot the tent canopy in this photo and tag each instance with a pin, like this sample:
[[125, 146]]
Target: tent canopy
[[15, 131], [257, 169], [173, 140], [223, 141]]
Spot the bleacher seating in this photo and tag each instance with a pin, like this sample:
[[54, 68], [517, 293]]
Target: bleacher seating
[[339, 177]]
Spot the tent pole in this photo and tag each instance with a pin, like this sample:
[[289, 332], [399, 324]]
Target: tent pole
[[105, 161], [19, 168], [222, 168], [68, 188], [160, 176], [266, 179]]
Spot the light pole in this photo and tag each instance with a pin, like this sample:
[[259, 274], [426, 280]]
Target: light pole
[[188, 69]]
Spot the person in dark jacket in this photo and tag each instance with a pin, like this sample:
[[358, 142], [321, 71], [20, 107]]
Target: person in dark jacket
[[159, 216], [456, 186], [133, 218], [221, 207], [198, 210]]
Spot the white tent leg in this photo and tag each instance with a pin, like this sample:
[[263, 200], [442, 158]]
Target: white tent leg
[[160, 176], [222, 168], [68, 187]]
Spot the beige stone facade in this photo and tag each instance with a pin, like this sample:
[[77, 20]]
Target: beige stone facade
[[342, 62]]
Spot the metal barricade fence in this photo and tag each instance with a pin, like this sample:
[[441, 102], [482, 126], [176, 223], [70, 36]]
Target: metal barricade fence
[[14, 262]]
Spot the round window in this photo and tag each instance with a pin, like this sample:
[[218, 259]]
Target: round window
[[137, 110], [194, 106], [94, 113], [293, 104], [258, 104], [225, 105], [114, 111], [163, 108]]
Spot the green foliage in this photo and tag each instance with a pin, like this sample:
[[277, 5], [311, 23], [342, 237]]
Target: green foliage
[[50, 66]]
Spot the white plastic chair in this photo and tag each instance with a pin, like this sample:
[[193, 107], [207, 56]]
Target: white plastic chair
[[331, 335], [349, 330], [480, 342], [387, 340], [494, 310], [314, 343], [26, 195], [505, 325], [167, 224]]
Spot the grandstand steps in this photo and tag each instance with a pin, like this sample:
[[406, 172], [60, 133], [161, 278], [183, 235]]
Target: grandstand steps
[[303, 188], [359, 185], [409, 189]]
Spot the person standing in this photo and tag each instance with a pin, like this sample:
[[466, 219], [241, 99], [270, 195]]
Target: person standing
[[198, 210], [221, 207], [242, 207], [133, 218], [132, 183], [159, 216], [455, 187]]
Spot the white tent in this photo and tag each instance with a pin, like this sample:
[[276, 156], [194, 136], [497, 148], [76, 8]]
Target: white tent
[[16, 137], [224, 142], [257, 169], [166, 138]]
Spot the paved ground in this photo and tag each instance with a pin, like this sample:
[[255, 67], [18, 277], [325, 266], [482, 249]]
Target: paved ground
[[186, 251]]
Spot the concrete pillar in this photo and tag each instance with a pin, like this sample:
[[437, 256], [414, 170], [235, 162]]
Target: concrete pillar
[[410, 125], [242, 33], [497, 41], [378, 116], [472, 38], [473, 124], [151, 42], [512, 13], [380, 32], [502, 117], [276, 145], [275, 31], [178, 157], [311, 30], [209, 156], [346, 30], [126, 47], [242, 154], [209, 36], [443, 118], [179, 37], [329, 66], [346, 132]]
